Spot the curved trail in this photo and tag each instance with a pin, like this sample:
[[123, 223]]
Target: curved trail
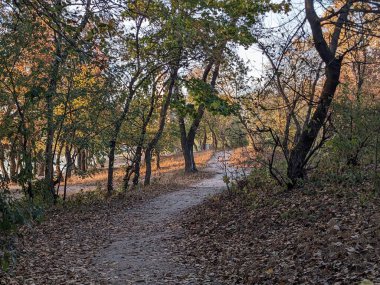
[[141, 253]]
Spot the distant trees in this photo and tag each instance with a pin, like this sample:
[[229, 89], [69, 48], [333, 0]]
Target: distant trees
[[84, 81]]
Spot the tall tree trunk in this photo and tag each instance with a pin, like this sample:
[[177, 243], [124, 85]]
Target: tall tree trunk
[[187, 144], [162, 121], [301, 152], [214, 140], [116, 130], [139, 149], [50, 94], [28, 165]]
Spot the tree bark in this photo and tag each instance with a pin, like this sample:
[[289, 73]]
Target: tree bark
[[111, 161], [204, 142], [58, 163], [137, 165], [299, 154], [302, 151], [2, 164], [12, 163], [69, 162], [84, 160], [158, 159], [148, 167]]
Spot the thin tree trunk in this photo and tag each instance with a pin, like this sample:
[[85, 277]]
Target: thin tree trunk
[[158, 158], [51, 92], [59, 58], [58, 163], [204, 142], [40, 164], [68, 162], [111, 161], [84, 160], [214, 140], [2, 164], [165, 107], [139, 149], [12, 164], [69, 166], [137, 165], [148, 167], [116, 131], [79, 160]]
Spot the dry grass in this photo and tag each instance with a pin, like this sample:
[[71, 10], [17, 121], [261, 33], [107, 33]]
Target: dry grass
[[170, 173], [242, 156]]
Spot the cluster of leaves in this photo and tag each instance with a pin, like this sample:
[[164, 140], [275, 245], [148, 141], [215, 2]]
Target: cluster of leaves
[[202, 93]]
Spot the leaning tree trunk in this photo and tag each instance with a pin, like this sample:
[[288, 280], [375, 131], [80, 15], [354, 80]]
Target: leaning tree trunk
[[116, 130], [162, 121], [302, 151], [299, 154], [139, 150]]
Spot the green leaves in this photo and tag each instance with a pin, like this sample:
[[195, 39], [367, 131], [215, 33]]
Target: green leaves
[[203, 94]]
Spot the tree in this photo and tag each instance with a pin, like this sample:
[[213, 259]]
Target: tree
[[332, 57]]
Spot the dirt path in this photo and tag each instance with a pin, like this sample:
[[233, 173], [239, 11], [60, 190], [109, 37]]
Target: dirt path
[[141, 253]]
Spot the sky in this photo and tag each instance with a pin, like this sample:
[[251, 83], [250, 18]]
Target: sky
[[253, 56]]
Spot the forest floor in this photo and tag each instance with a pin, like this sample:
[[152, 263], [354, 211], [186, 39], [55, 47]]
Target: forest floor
[[193, 232], [126, 240], [323, 233]]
